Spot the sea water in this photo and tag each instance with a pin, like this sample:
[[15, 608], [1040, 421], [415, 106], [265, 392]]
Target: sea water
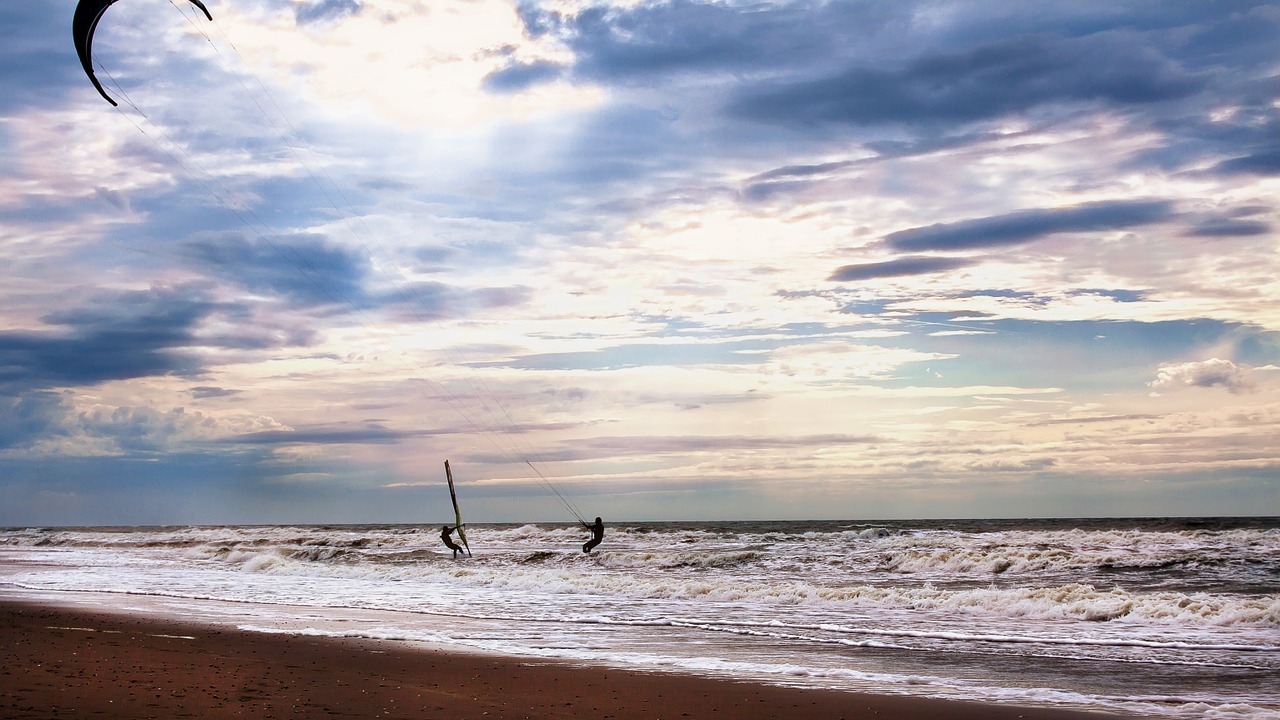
[[1169, 618]]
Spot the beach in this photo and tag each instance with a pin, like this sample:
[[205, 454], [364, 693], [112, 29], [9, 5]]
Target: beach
[[1153, 619], [63, 662]]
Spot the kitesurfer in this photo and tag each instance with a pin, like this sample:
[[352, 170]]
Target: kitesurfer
[[446, 534], [597, 534]]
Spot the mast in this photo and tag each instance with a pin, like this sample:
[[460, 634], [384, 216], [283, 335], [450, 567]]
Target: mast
[[457, 514]]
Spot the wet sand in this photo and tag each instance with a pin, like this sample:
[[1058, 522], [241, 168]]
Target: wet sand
[[58, 662]]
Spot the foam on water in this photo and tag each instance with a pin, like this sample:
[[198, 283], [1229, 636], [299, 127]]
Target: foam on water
[[1045, 612]]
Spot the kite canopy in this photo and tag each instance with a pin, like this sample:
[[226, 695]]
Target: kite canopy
[[88, 13]]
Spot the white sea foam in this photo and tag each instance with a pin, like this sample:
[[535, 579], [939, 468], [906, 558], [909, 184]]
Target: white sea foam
[[834, 604]]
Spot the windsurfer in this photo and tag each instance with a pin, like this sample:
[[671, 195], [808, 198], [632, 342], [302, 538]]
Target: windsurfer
[[446, 534], [597, 534]]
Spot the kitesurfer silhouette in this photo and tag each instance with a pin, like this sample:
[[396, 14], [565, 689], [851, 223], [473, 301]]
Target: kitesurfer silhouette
[[446, 534], [597, 534]]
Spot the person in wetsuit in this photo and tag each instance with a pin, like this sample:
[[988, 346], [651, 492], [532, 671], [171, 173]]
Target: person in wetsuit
[[446, 534], [597, 534]]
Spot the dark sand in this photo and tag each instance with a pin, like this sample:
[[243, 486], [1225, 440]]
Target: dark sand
[[57, 662]]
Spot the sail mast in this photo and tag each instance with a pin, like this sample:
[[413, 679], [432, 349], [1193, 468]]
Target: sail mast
[[457, 514]]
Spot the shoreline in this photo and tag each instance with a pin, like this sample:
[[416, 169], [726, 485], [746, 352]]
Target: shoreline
[[59, 661]]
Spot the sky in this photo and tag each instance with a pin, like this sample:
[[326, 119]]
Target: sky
[[643, 260]]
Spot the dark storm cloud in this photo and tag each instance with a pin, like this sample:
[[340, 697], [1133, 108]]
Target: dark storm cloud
[[790, 172], [843, 64], [1264, 162], [37, 55], [430, 301], [793, 179], [519, 76], [790, 179], [656, 40], [49, 212], [1241, 144], [121, 336], [125, 335], [905, 85], [996, 79], [311, 273], [307, 271], [1131, 52], [1237, 223], [1228, 35], [31, 417], [901, 267], [1233, 127], [1027, 225], [324, 10], [425, 301]]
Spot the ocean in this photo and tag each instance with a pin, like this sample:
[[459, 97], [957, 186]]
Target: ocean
[[1165, 618]]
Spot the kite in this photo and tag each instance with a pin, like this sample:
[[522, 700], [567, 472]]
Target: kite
[[85, 22]]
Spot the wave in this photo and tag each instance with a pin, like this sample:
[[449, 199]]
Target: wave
[[1005, 638], [1044, 574], [1190, 606], [680, 559], [570, 572], [1033, 552]]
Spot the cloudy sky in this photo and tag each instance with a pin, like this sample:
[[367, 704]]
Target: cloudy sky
[[666, 260]]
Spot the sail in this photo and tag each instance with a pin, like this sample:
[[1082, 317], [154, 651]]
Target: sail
[[457, 514]]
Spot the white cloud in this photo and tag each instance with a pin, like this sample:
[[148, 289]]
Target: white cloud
[[1214, 372]]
